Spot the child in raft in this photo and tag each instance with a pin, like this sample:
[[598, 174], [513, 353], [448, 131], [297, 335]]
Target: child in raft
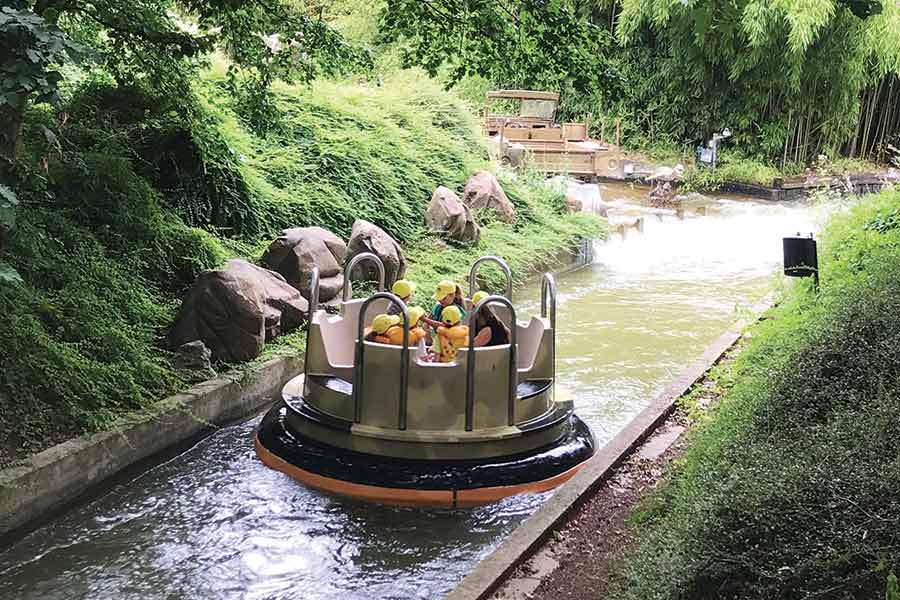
[[388, 329], [451, 334], [403, 289], [448, 293]]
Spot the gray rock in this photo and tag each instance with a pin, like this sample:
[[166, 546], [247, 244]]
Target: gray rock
[[484, 191], [368, 237], [235, 310], [447, 214], [573, 204], [298, 250], [194, 358]]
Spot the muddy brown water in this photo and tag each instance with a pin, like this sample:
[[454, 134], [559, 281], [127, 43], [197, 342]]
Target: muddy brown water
[[213, 522]]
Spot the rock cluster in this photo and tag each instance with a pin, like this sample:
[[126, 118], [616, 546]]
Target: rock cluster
[[368, 237], [298, 250], [446, 213], [229, 314], [452, 216], [484, 191], [234, 311]]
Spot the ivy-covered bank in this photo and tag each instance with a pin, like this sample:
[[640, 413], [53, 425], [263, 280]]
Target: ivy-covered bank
[[135, 196], [792, 488]]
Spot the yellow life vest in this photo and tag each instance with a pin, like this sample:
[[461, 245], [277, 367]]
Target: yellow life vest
[[452, 339], [394, 335]]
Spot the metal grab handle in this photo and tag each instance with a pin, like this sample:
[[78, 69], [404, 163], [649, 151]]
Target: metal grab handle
[[470, 362], [355, 261], [498, 261], [311, 310], [548, 292], [313, 293], [360, 350]]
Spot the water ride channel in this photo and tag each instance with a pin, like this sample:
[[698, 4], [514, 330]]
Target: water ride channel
[[215, 522]]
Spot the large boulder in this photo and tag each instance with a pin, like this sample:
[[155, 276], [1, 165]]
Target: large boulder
[[298, 250], [368, 237], [447, 214], [235, 310], [484, 191]]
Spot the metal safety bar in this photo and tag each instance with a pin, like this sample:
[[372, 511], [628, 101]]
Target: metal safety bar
[[362, 256], [470, 361], [548, 292], [358, 370], [313, 307], [498, 261]]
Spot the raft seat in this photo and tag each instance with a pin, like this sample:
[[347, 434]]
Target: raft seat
[[339, 332], [529, 338]]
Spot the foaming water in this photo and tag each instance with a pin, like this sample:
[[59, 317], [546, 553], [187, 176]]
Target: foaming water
[[215, 523]]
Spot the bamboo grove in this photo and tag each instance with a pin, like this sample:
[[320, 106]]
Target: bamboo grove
[[792, 78]]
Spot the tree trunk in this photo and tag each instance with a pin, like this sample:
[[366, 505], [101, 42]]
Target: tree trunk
[[12, 122]]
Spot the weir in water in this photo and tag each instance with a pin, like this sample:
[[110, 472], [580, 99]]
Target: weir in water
[[215, 522]]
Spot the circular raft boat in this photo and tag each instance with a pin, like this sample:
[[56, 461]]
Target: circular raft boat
[[376, 422]]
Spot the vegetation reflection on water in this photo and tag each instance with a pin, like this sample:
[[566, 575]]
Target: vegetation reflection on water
[[214, 522]]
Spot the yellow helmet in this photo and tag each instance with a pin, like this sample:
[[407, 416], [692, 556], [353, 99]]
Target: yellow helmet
[[383, 322], [403, 288], [444, 289], [415, 314], [451, 315], [478, 297]]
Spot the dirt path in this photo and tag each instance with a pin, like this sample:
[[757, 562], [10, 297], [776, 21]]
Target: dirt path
[[582, 557]]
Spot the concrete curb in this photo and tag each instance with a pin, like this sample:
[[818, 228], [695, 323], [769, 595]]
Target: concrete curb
[[55, 478], [527, 538]]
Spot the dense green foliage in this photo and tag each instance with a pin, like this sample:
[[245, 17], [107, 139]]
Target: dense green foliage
[[96, 255], [792, 489], [791, 79], [544, 43], [140, 197], [342, 152]]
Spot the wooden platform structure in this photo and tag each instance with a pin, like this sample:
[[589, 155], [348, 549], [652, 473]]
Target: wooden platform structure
[[533, 136]]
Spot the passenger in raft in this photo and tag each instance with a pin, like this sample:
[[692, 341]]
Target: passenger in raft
[[447, 294], [451, 335], [490, 330], [381, 324], [388, 329], [403, 289]]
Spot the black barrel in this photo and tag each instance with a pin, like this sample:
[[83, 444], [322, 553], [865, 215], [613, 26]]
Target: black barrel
[[800, 257]]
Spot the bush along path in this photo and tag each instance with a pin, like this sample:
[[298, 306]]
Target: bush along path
[[791, 488], [138, 198]]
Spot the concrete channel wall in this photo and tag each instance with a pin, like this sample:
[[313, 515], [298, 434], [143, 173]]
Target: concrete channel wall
[[54, 479]]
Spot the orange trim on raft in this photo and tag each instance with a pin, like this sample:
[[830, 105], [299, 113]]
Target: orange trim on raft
[[407, 497], [485, 495]]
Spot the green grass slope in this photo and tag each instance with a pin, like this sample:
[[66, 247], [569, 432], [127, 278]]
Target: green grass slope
[[792, 489], [145, 193]]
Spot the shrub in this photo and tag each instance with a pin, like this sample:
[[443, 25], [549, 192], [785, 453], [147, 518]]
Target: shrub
[[792, 490]]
